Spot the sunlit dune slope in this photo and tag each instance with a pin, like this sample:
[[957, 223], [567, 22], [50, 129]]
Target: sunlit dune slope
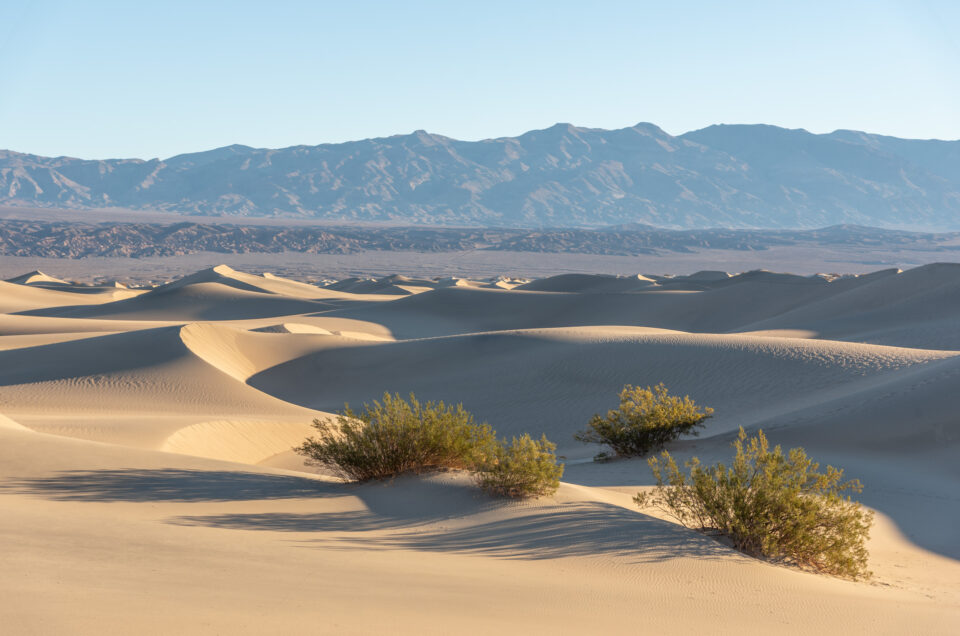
[[146, 445], [243, 549]]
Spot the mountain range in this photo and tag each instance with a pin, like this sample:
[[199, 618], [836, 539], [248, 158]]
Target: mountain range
[[733, 176]]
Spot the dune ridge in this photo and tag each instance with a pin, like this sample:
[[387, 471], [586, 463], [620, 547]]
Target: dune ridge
[[146, 442], [35, 277]]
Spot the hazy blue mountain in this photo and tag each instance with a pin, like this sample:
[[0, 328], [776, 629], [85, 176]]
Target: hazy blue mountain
[[562, 176]]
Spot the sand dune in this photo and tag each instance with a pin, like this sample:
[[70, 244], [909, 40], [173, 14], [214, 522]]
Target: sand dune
[[866, 308], [152, 370], [707, 275], [298, 551], [398, 285], [19, 298], [586, 283], [900, 437], [266, 284], [219, 293], [294, 327], [35, 277], [504, 283], [458, 310], [241, 354], [148, 483], [390, 285], [196, 301], [107, 292], [13, 325], [147, 389], [7, 423], [244, 441], [552, 380], [918, 307]]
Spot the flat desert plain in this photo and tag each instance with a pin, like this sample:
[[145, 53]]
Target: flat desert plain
[[148, 486]]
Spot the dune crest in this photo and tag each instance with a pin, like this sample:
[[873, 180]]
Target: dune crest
[[6, 422], [170, 419], [34, 277]]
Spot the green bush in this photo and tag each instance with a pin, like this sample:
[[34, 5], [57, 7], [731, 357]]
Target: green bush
[[525, 468], [648, 418], [395, 436], [770, 505]]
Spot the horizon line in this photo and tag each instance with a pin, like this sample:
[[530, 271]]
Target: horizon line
[[481, 140]]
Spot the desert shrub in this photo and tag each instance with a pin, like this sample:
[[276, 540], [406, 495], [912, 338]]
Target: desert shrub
[[648, 418], [395, 436], [769, 505], [525, 468]]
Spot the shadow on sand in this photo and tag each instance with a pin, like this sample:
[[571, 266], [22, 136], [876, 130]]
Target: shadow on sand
[[581, 529], [170, 484], [444, 514]]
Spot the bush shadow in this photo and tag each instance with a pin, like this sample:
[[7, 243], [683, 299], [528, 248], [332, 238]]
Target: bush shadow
[[584, 529], [170, 484], [568, 530]]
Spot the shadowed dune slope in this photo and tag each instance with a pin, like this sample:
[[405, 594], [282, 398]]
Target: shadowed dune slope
[[392, 285], [16, 297], [196, 301], [913, 308], [19, 325], [151, 389], [896, 432], [240, 353], [901, 437], [148, 482], [35, 277], [458, 310], [587, 283], [142, 371], [553, 380], [294, 327], [919, 307], [265, 284], [219, 293]]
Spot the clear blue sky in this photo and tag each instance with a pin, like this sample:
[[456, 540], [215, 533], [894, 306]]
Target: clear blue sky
[[136, 79]]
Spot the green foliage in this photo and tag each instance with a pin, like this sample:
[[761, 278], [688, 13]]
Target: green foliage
[[395, 436], [769, 504], [525, 468], [648, 418]]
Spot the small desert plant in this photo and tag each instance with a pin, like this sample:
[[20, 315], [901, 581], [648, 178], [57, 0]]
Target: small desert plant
[[525, 468], [395, 436], [769, 505], [648, 418]]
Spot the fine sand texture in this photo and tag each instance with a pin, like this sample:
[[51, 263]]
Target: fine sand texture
[[148, 483]]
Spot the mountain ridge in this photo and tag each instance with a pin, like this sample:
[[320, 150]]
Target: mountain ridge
[[736, 176]]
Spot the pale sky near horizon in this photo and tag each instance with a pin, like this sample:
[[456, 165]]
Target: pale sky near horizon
[[102, 79]]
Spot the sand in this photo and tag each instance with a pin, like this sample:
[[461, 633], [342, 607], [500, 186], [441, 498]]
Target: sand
[[148, 484]]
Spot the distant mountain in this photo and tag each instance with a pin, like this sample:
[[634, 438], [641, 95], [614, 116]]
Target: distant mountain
[[563, 176]]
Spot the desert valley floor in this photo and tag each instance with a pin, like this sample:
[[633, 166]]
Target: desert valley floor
[[148, 486]]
